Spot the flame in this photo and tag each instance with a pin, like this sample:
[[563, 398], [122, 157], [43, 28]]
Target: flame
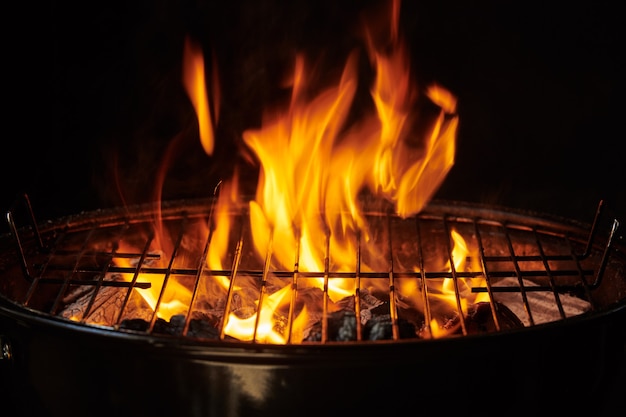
[[459, 255], [223, 222], [316, 165], [175, 299], [261, 325], [195, 85]]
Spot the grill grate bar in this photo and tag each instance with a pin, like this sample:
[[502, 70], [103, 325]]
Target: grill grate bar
[[325, 289], [455, 281], [484, 260], [135, 277], [547, 268], [582, 274], [294, 293], [519, 276], [301, 274], [201, 262], [233, 276], [605, 254], [393, 312], [101, 280], [168, 274], [422, 276], [68, 276], [263, 289], [357, 291]]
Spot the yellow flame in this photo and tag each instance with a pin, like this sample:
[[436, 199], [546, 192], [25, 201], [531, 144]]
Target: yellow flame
[[315, 165], [446, 292], [176, 298], [195, 85], [244, 329]]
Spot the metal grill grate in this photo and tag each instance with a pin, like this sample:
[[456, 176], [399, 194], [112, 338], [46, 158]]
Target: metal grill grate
[[531, 270]]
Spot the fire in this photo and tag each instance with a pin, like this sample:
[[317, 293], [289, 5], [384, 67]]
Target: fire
[[316, 168], [259, 326], [447, 291], [195, 85], [174, 300]]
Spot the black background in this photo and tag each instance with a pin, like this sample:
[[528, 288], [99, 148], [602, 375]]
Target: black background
[[96, 95]]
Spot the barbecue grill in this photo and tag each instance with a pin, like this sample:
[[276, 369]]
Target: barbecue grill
[[551, 282], [547, 335]]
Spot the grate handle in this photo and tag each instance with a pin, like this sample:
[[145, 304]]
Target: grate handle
[[10, 217]]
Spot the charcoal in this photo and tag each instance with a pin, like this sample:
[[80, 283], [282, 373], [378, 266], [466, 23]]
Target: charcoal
[[448, 323], [201, 325], [280, 324], [407, 329], [106, 304], [202, 329], [341, 327], [480, 319], [175, 326], [135, 324], [380, 309], [370, 301], [346, 303], [347, 327], [380, 327]]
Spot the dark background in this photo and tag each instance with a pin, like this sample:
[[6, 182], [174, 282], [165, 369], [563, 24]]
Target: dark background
[[97, 95]]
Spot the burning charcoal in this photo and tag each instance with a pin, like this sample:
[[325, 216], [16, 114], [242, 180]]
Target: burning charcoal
[[407, 329], [202, 329], [341, 327], [204, 325], [347, 327], [135, 324], [106, 303], [377, 320], [448, 324], [380, 309], [173, 327], [380, 327], [243, 302], [346, 303], [368, 300], [480, 318]]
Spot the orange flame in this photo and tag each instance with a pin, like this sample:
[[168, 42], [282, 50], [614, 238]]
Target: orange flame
[[259, 326], [315, 167], [175, 299], [447, 291], [195, 85]]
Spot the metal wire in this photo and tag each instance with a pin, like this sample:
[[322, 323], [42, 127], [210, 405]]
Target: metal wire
[[42, 271]]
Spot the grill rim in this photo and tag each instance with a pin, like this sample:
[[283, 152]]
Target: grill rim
[[198, 206]]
